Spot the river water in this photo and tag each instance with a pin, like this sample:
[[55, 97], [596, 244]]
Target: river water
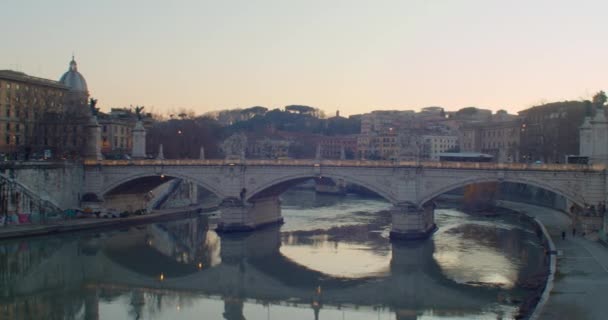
[[332, 259]]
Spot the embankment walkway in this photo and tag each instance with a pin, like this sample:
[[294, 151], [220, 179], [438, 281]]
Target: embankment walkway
[[580, 289], [29, 230]]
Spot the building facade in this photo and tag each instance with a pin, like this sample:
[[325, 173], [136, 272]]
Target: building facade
[[501, 139], [332, 146], [26, 104], [116, 131], [551, 131], [433, 145]]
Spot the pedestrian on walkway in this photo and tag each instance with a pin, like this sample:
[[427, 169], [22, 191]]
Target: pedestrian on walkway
[[563, 235]]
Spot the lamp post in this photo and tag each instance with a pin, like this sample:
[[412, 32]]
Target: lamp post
[[182, 153]]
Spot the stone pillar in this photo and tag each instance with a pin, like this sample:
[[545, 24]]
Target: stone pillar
[[93, 146], [161, 154], [193, 192], [233, 308], [593, 136], [411, 222], [585, 141], [91, 304], [202, 154], [239, 216], [139, 141], [599, 131]]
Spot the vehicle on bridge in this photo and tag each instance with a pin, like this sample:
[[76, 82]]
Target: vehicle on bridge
[[576, 159], [465, 157]]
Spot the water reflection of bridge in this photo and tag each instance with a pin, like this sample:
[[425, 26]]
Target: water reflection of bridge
[[239, 268]]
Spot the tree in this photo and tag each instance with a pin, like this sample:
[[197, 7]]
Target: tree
[[254, 111], [300, 109], [599, 99]]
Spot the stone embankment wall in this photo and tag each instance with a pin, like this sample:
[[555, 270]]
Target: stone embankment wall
[[60, 182]]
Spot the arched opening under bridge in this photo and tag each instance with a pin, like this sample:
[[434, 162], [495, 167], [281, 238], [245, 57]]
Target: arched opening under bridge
[[157, 192]]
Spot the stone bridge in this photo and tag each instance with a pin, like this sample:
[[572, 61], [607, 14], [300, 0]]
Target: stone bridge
[[250, 188]]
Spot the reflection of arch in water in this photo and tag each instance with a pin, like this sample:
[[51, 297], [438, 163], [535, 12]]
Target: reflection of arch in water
[[161, 248], [414, 272], [253, 268], [257, 255]]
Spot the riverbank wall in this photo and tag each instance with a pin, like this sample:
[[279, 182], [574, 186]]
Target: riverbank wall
[[31, 230], [58, 182]]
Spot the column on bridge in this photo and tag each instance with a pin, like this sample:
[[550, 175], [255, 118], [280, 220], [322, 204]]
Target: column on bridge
[[91, 303], [593, 136], [411, 222], [139, 141], [193, 192], [239, 215], [93, 144]]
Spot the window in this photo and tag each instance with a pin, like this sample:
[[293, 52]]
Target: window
[[105, 128], [8, 111], [17, 140], [8, 127], [8, 139]]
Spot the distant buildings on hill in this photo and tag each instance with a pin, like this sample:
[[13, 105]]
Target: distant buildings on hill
[[41, 117]]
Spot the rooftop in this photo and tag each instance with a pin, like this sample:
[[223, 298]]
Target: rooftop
[[24, 78]]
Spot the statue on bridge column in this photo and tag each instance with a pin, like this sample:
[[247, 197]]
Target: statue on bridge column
[[139, 136], [92, 104], [93, 130]]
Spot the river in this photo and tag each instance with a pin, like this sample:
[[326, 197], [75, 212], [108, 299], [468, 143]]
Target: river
[[332, 259]]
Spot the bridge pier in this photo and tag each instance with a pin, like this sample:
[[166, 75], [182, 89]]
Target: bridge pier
[[411, 222], [237, 216], [193, 192]]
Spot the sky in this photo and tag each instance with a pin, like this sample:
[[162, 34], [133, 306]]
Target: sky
[[349, 55]]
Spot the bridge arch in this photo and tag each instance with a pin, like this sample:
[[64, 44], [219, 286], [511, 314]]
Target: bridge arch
[[570, 195], [283, 183], [205, 184]]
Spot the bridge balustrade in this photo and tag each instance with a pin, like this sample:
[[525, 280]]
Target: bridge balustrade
[[352, 163]]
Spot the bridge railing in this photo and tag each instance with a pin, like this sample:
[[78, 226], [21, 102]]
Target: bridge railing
[[352, 163]]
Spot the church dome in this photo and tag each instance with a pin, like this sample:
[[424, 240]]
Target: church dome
[[73, 79]]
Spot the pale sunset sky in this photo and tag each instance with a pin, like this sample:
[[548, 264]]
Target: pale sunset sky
[[351, 55]]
